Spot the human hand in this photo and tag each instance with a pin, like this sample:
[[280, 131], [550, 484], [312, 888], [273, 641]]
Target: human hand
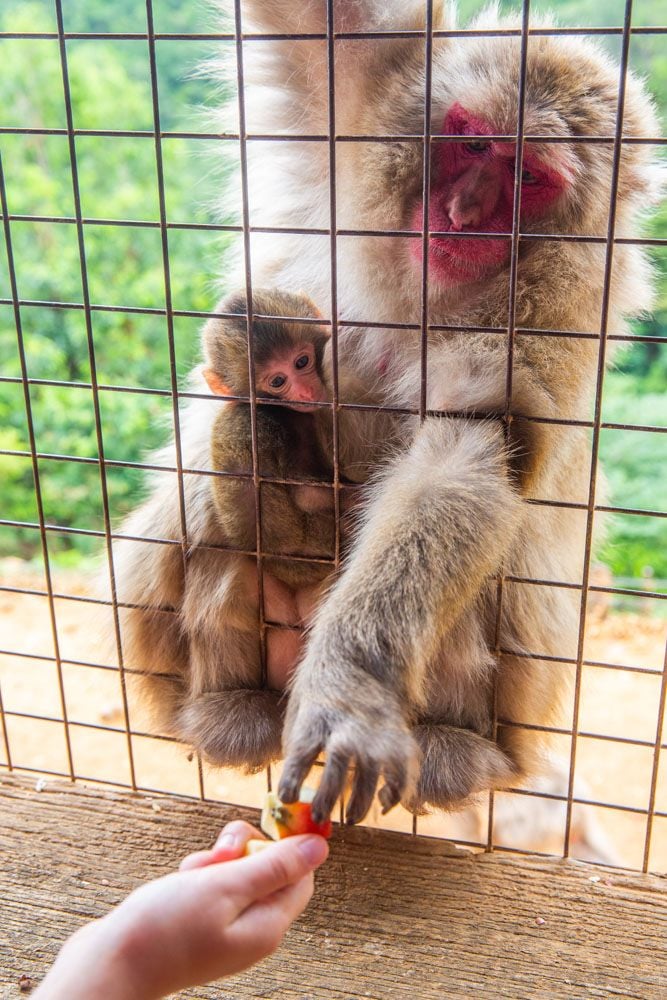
[[208, 920], [230, 845]]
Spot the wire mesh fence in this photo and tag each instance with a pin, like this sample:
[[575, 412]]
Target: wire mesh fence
[[127, 747]]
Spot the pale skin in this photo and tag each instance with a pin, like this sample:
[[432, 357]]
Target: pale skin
[[220, 913]]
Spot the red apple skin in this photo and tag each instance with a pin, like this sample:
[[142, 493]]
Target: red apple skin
[[296, 818]]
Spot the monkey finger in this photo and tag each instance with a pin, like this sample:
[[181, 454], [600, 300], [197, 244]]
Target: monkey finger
[[300, 759], [389, 797], [331, 785], [365, 783], [396, 780]]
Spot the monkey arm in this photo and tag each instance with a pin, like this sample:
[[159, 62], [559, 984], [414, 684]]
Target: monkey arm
[[309, 16], [442, 519], [231, 450], [440, 523], [298, 98], [287, 529], [233, 493]]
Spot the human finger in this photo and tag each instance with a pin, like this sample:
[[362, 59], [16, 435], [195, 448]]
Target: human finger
[[259, 929], [283, 863], [231, 844], [198, 859], [268, 919]]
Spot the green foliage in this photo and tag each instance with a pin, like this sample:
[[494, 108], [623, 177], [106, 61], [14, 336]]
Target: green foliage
[[111, 89], [635, 464]]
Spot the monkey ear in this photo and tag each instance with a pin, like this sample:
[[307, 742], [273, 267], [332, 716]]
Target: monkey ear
[[215, 383]]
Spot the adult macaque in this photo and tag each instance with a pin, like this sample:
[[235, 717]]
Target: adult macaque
[[296, 518], [398, 667], [404, 654]]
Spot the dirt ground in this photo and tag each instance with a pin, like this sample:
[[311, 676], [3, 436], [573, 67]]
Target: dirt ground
[[616, 705]]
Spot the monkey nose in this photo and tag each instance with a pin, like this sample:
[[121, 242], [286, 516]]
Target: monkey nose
[[461, 217], [455, 225]]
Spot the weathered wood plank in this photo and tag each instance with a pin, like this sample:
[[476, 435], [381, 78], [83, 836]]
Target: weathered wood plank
[[392, 918]]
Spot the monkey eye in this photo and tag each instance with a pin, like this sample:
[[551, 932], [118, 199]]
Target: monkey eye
[[302, 361], [477, 145], [277, 382], [527, 177]]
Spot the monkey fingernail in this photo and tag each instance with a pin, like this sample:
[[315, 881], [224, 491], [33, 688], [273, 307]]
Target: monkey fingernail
[[288, 792], [320, 814]]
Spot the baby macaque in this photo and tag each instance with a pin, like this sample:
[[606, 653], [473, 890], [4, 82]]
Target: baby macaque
[[297, 518]]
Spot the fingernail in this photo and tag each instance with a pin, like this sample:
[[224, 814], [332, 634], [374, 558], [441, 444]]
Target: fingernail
[[226, 841], [314, 850]]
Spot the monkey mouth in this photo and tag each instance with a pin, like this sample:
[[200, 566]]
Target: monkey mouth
[[303, 407], [455, 259], [465, 260]]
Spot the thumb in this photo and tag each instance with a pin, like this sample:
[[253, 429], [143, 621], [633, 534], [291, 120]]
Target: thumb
[[280, 865]]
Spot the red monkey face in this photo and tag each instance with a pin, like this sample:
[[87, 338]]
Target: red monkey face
[[293, 377], [472, 190]]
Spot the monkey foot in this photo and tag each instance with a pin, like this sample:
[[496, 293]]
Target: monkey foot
[[456, 764], [238, 728]]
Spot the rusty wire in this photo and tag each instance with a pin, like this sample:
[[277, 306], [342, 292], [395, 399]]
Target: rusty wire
[[241, 139], [511, 337], [602, 354]]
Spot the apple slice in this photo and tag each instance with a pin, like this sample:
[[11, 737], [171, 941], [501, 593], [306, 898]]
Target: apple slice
[[281, 820], [255, 846]]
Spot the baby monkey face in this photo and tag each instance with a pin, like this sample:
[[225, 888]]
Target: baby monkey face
[[293, 377]]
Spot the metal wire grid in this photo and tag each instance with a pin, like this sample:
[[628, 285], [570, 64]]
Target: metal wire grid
[[511, 330]]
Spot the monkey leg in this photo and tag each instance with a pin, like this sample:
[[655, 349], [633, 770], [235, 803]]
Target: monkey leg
[[283, 651], [284, 646], [279, 600], [308, 599], [239, 728], [225, 713], [456, 764]]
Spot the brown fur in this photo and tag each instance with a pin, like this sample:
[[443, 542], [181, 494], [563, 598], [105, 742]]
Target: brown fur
[[402, 659], [293, 522], [415, 610]]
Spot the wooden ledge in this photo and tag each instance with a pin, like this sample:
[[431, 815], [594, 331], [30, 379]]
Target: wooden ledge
[[392, 917]]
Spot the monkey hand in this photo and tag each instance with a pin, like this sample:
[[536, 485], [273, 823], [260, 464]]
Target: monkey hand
[[358, 722]]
